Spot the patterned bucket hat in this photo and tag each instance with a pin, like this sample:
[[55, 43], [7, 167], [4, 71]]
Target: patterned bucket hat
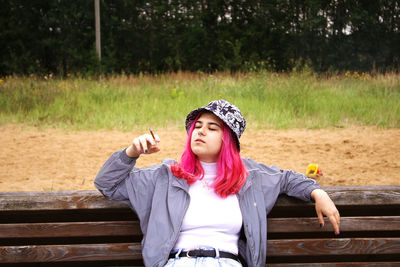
[[228, 113]]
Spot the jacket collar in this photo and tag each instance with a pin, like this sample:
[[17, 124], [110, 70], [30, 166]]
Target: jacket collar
[[176, 182], [180, 183], [246, 185]]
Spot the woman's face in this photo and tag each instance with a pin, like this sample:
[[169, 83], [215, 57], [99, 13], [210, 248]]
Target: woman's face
[[206, 139]]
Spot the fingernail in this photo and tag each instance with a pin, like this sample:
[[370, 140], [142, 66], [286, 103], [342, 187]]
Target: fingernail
[[140, 152], [146, 151], [338, 233]]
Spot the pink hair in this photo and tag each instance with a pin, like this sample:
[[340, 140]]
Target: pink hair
[[231, 172]]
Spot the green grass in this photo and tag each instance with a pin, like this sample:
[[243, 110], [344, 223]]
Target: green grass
[[268, 100]]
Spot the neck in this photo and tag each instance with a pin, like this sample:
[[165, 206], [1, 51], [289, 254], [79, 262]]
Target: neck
[[210, 168]]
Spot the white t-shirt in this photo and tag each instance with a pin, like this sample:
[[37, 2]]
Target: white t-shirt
[[210, 221]]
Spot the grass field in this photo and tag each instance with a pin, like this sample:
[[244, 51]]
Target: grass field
[[268, 100]]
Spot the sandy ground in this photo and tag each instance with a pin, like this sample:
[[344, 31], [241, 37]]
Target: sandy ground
[[34, 159]]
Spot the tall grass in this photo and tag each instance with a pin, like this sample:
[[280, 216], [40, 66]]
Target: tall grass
[[268, 100]]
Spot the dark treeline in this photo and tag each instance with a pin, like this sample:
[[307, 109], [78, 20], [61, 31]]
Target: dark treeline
[[58, 36]]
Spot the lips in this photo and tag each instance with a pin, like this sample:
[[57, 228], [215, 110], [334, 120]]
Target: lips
[[199, 141]]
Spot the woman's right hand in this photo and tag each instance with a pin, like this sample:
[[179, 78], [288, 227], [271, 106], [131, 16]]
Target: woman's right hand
[[144, 144]]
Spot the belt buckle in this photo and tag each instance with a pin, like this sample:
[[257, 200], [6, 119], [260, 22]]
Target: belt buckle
[[187, 254]]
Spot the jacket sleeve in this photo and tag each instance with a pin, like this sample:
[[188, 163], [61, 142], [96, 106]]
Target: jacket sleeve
[[297, 185], [286, 182], [118, 180]]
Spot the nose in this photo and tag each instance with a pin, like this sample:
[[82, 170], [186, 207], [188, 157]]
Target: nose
[[201, 131]]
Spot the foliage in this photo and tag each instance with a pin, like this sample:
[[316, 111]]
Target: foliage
[[39, 37], [267, 99]]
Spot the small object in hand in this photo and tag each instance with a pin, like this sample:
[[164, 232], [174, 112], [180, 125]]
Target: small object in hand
[[313, 171], [152, 134]]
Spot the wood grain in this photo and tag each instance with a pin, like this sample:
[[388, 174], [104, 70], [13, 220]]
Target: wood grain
[[333, 246], [123, 228], [70, 229], [132, 251], [337, 264], [347, 224], [67, 253], [78, 226], [63, 200]]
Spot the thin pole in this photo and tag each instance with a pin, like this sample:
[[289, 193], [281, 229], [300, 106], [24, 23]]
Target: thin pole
[[97, 20]]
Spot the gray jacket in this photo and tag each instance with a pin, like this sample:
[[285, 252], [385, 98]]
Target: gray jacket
[[160, 201]]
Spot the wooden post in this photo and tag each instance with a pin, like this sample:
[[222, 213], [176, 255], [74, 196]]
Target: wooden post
[[98, 39], [97, 20]]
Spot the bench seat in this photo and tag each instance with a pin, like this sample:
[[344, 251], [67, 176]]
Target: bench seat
[[83, 228]]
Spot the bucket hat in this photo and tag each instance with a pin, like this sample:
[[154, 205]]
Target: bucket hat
[[227, 112]]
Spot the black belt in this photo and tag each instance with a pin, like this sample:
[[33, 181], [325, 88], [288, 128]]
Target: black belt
[[204, 253]]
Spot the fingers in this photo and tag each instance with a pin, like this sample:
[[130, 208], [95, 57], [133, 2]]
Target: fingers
[[146, 144], [334, 219], [325, 206], [320, 219], [335, 224]]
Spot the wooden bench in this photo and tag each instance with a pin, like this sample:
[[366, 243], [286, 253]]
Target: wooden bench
[[81, 228]]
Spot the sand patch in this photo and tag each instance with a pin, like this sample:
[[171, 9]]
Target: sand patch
[[32, 159]]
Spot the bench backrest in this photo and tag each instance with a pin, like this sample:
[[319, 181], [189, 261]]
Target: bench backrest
[[83, 227]]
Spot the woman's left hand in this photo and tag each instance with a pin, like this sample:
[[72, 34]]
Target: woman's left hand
[[325, 206]]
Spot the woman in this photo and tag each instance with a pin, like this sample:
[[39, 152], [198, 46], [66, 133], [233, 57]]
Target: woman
[[210, 209]]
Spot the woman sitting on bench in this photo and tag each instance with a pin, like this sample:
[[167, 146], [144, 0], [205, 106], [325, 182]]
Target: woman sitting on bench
[[210, 209]]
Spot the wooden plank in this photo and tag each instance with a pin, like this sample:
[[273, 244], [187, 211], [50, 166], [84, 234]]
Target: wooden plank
[[337, 264], [123, 228], [55, 200], [70, 229], [132, 251], [365, 195], [81, 252], [347, 224], [334, 246], [353, 196], [62, 200]]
